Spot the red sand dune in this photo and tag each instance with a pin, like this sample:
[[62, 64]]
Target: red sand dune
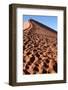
[[39, 48]]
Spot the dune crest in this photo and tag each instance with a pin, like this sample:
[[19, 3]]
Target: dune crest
[[27, 25]]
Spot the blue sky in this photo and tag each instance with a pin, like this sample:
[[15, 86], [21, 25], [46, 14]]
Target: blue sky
[[50, 21]]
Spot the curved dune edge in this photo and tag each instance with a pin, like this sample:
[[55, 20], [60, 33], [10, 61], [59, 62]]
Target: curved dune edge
[[27, 25]]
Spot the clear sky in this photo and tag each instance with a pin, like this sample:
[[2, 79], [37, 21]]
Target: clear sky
[[50, 21]]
